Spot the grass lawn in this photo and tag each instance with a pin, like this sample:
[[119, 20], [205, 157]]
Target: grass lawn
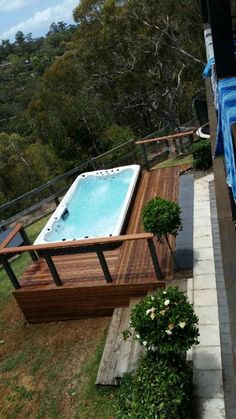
[[49, 370], [175, 161]]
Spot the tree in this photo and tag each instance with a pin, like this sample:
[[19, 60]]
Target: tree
[[141, 54], [24, 165], [28, 37], [162, 217], [5, 49], [19, 37]]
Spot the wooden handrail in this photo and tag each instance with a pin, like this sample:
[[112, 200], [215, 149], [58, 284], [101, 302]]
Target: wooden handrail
[[168, 137], [77, 243], [11, 236]]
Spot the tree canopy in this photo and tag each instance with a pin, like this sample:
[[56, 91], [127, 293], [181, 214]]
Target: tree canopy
[[125, 69]]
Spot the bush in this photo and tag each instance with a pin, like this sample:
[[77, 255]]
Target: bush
[[165, 322], [159, 389], [161, 217], [202, 159]]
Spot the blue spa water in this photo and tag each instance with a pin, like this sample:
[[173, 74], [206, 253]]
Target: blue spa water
[[94, 208]]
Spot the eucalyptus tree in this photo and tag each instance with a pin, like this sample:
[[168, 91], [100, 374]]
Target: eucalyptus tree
[[144, 57]]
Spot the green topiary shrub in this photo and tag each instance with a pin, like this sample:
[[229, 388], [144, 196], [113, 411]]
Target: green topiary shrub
[[162, 217], [160, 389], [202, 159], [164, 322]]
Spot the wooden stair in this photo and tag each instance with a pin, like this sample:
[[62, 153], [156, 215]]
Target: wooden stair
[[119, 356]]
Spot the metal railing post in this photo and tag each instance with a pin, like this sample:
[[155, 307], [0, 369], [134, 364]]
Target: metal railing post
[[191, 139], [144, 151], [104, 266], [56, 199], [26, 240], [52, 269], [93, 163], [154, 257], [4, 262]]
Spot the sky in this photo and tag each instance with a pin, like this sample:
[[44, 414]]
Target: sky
[[33, 16]]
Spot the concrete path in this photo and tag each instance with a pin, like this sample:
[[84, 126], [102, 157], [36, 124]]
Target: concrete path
[[207, 360]]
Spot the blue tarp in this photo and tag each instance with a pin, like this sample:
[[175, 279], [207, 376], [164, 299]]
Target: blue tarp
[[227, 117], [208, 67]]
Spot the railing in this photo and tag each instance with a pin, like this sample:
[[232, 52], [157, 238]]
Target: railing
[[55, 188], [4, 250], [151, 152], [170, 142], [70, 247]]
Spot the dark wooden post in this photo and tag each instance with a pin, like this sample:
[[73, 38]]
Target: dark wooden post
[[133, 152], [9, 271], [26, 240], [104, 266], [205, 15], [52, 269], [181, 145], [144, 151], [191, 138], [222, 35], [154, 257]]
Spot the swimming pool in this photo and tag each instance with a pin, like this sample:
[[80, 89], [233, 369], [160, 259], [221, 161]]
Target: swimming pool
[[96, 205]]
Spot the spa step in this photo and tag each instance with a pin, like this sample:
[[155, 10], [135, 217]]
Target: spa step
[[119, 356]]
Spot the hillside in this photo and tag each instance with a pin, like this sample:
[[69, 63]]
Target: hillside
[[123, 70]]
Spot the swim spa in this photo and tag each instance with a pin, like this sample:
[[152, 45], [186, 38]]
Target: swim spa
[[96, 205]]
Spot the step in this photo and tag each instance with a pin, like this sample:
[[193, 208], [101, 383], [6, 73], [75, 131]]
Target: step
[[130, 351], [118, 356]]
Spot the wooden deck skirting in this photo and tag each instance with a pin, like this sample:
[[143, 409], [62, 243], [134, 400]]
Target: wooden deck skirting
[[84, 292]]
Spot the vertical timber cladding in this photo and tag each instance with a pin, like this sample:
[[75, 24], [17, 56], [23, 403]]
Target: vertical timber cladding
[[222, 35]]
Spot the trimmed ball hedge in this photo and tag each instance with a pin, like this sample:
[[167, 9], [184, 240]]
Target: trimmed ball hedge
[[202, 159]]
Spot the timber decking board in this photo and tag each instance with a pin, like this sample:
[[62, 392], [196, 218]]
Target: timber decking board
[[134, 259], [80, 267], [84, 292]]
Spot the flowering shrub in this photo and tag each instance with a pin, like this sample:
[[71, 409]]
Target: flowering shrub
[[164, 322], [158, 389]]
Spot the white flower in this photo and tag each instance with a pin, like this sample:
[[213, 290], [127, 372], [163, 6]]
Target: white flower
[[167, 302], [182, 325], [130, 321], [152, 298], [144, 343], [164, 292], [168, 332], [152, 313], [171, 326], [162, 312], [153, 348], [138, 336]]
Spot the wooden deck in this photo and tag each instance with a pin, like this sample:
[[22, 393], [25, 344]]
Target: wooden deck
[[84, 292]]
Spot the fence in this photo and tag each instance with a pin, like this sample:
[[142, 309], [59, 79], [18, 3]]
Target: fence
[[43, 199]]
